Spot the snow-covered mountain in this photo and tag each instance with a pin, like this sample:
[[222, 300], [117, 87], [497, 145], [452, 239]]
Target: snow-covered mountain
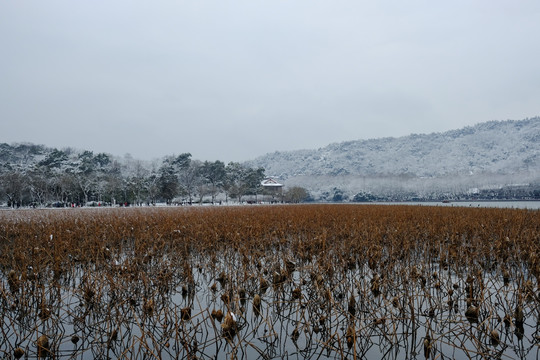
[[495, 146], [488, 154]]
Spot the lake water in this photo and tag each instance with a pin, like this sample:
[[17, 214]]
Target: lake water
[[488, 204], [143, 302]]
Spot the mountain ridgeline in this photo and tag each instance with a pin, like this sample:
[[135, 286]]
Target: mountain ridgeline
[[492, 160], [488, 156]]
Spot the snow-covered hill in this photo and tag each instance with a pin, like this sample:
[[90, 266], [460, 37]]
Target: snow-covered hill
[[488, 154], [495, 146]]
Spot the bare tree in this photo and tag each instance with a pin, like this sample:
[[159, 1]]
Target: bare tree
[[296, 194], [13, 185]]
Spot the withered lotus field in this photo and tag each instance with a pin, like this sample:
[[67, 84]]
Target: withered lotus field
[[268, 282]]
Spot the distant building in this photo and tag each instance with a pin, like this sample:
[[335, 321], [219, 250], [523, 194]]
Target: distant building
[[272, 189], [270, 183]]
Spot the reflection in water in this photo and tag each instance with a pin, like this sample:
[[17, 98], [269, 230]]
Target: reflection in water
[[289, 310]]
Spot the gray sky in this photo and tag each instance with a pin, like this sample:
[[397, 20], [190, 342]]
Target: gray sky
[[232, 80]]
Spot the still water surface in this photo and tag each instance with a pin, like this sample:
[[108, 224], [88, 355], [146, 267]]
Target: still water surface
[[491, 204]]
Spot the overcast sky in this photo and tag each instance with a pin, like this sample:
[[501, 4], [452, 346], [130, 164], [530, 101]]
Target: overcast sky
[[232, 80]]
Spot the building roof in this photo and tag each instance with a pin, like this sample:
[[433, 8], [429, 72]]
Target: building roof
[[270, 183]]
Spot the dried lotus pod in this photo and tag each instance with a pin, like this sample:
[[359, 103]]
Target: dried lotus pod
[[42, 344], [217, 315], [350, 336], [18, 353], [351, 307], [257, 305], [229, 325], [494, 337], [472, 313]]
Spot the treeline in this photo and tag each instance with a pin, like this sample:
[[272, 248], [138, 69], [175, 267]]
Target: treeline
[[33, 175], [503, 193]]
